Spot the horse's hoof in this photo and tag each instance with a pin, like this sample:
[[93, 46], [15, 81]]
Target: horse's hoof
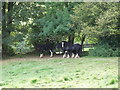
[[51, 55], [72, 57], [64, 56], [77, 57], [41, 55]]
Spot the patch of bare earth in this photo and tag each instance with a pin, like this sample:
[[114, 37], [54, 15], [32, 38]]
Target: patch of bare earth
[[34, 58]]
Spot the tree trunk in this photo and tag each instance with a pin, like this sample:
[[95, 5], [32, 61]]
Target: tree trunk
[[6, 17], [6, 26], [71, 39], [10, 7], [82, 41], [3, 16], [9, 16]]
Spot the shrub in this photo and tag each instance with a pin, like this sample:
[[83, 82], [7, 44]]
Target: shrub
[[22, 47], [104, 50], [7, 50]]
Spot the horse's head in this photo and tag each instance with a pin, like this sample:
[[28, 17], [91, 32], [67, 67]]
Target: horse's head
[[62, 44], [58, 46]]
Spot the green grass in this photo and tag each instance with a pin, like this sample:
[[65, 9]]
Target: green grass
[[85, 72], [87, 49]]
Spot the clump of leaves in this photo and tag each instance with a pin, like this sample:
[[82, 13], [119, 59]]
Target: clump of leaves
[[66, 79], [113, 81], [77, 74], [77, 70], [34, 81], [2, 83]]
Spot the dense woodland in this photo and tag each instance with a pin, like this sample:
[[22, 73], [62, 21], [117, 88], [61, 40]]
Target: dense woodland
[[26, 23]]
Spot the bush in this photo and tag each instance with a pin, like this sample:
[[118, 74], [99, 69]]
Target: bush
[[7, 50], [22, 48], [104, 50]]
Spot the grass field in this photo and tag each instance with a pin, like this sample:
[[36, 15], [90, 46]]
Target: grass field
[[84, 72]]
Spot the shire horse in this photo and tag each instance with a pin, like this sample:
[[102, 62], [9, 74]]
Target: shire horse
[[70, 50], [46, 47]]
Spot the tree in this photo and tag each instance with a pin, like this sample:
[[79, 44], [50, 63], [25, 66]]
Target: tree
[[6, 26], [87, 16], [54, 23]]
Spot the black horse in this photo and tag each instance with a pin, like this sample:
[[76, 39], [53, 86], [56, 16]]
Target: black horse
[[46, 47], [70, 50]]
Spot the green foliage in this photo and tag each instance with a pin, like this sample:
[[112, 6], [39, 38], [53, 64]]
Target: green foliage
[[7, 50], [57, 21], [113, 81], [112, 40], [107, 23], [104, 50], [54, 24], [96, 19], [34, 81], [84, 16], [66, 79], [22, 48], [107, 46]]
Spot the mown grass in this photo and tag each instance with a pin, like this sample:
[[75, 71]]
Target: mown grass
[[85, 72]]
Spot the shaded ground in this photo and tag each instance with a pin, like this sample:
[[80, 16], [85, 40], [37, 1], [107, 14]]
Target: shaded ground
[[84, 72], [33, 57]]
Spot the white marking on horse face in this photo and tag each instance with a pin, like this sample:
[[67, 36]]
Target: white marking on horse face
[[51, 53], [62, 44], [65, 51], [41, 55]]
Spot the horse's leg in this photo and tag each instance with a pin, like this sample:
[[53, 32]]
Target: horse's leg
[[77, 56], [64, 55], [51, 53], [69, 54], [73, 55], [41, 55]]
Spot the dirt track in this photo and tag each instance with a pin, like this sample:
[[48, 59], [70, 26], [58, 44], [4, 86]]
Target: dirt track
[[29, 58]]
